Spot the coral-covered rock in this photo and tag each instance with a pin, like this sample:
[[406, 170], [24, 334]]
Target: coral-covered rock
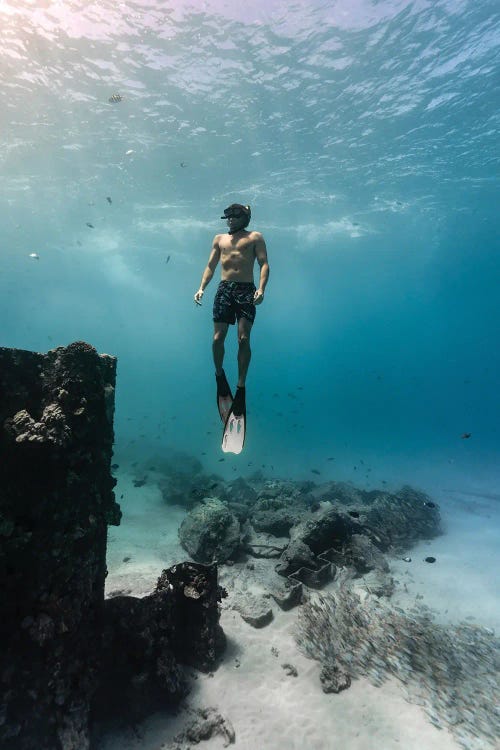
[[210, 532], [56, 501]]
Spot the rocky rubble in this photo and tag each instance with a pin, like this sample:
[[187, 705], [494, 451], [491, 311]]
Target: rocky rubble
[[312, 530]]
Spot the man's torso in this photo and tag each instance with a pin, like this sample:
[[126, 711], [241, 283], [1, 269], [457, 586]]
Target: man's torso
[[237, 256]]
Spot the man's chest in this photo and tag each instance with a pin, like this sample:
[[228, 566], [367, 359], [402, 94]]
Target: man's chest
[[243, 248]]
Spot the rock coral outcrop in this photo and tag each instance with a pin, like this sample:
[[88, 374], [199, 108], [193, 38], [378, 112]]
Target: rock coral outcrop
[[56, 501], [66, 654]]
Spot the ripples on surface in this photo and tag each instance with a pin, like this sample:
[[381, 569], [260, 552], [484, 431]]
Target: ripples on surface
[[351, 104]]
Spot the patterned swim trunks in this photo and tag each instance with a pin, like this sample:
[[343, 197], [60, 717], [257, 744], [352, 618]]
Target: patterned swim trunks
[[234, 300]]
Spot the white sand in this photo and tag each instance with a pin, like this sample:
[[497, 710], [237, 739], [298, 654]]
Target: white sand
[[267, 708]]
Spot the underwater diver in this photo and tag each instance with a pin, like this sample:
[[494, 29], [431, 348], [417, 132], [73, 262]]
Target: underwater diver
[[235, 298]]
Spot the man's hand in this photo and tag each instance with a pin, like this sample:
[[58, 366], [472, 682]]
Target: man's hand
[[198, 296], [258, 297]]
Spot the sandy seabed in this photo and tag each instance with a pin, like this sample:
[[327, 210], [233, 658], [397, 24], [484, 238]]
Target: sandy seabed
[[270, 710]]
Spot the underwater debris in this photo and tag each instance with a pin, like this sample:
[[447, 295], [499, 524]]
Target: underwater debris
[[114, 98]]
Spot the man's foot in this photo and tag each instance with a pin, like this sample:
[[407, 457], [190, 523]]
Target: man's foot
[[239, 406], [223, 389]]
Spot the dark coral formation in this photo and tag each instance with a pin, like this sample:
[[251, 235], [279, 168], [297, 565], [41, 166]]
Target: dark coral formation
[[145, 639], [56, 501], [66, 654]]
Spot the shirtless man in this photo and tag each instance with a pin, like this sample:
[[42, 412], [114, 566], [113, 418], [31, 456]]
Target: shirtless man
[[236, 296]]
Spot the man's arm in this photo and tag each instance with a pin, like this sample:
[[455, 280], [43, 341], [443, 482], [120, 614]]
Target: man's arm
[[213, 259], [261, 255]]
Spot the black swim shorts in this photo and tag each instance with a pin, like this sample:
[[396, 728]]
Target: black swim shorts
[[234, 300]]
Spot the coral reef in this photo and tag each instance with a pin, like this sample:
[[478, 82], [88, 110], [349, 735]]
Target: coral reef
[[56, 501], [145, 639], [66, 654]]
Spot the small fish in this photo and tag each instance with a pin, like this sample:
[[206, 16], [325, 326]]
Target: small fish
[[78, 243], [114, 98], [406, 559], [183, 164], [130, 151], [330, 458], [354, 513], [220, 460], [430, 559], [91, 226], [466, 435], [430, 505], [109, 199], [315, 471], [35, 256], [168, 258]]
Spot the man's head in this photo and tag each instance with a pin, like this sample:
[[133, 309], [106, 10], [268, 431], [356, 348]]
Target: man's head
[[238, 217]]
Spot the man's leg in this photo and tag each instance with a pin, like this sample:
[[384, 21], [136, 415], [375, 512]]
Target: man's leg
[[244, 352], [220, 331]]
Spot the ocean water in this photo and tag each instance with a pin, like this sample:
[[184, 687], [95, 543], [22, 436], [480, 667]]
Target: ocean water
[[365, 136]]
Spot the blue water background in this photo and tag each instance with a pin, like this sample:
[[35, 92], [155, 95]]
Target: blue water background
[[365, 137]]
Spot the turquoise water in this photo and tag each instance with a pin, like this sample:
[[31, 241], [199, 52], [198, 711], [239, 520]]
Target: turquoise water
[[365, 137]]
